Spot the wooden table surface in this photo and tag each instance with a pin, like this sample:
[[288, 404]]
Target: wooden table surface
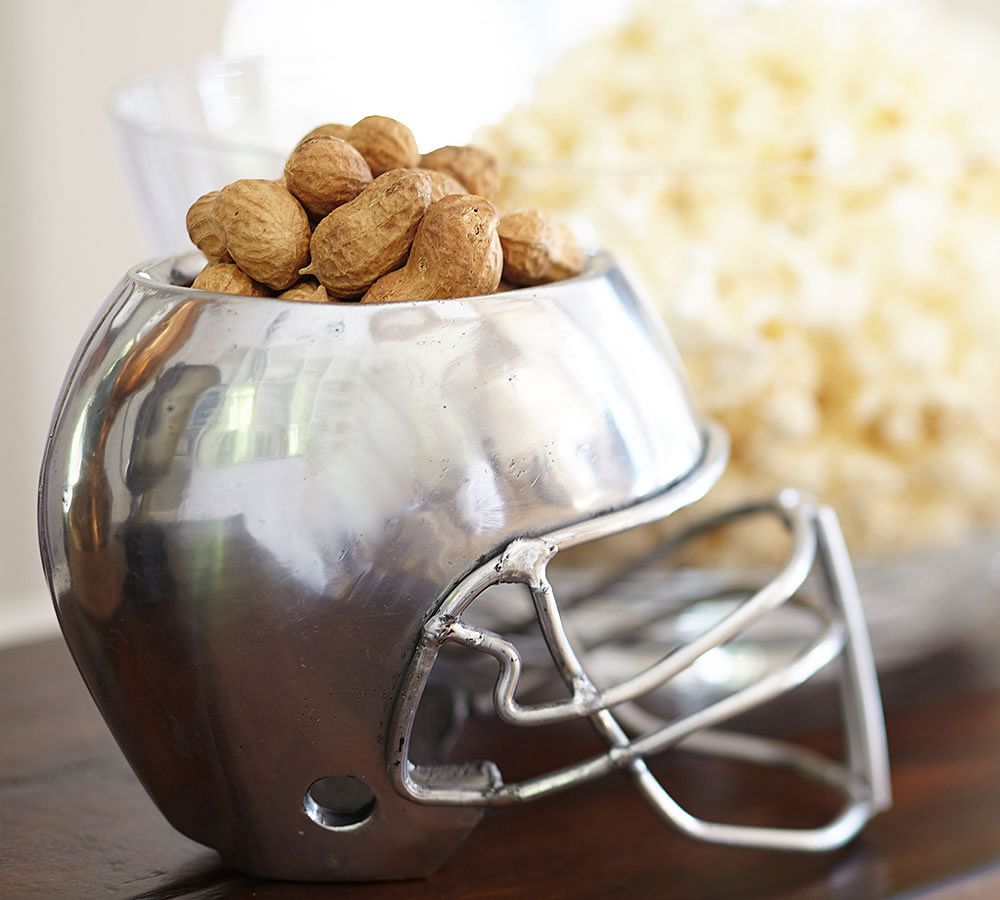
[[74, 822]]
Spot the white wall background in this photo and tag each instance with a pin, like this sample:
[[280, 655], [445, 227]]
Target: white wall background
[[67, 231]]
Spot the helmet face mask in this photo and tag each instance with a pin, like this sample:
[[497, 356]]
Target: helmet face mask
[[817, 545], [262, 521]]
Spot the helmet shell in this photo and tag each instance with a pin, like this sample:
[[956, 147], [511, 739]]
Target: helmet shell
[[249, 507]]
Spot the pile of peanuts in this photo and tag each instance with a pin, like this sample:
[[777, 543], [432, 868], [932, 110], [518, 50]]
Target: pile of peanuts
[[360, 214]]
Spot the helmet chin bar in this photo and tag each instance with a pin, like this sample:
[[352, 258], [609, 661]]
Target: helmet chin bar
[[816, 543]]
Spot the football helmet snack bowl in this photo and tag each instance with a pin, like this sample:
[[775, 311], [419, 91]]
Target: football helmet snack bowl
[[262, 520]]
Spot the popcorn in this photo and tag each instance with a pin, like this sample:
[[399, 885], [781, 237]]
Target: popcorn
[[809, 192]]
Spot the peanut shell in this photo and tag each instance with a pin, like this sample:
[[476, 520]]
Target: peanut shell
[[308, 290], [385, 143], [456, 253], [227, 278], [331, 129], [360, 241], [325, 172], [473, 167], [204, 229], [267, 231], [537, 249], [442, 184]]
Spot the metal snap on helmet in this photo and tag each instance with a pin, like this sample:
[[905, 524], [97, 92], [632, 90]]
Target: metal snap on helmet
[[262, 521]]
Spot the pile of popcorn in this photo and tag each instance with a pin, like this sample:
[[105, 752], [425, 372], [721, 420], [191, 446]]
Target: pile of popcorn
[[811, 195]]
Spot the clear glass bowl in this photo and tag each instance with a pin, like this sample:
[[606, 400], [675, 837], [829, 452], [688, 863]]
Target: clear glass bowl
[[189, 131]]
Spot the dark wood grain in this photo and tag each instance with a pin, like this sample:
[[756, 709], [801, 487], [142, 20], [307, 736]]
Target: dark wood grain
[[74, 822]]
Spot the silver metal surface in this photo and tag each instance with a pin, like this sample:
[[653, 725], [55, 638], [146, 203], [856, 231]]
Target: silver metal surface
[[248, 508], [817, 542], [261, 520]]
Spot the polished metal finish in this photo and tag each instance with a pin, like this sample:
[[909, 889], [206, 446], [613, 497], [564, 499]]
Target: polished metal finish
[[817, 543], [262, 521], [249, 508]]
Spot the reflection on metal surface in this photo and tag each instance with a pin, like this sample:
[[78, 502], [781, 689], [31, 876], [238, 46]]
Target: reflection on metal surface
[[249, 509], [95, 565]]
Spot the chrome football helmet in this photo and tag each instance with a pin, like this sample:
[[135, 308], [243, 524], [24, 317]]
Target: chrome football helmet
[[271, 530]]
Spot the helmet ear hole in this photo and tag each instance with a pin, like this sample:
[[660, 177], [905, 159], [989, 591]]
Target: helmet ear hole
[[339, 802]]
